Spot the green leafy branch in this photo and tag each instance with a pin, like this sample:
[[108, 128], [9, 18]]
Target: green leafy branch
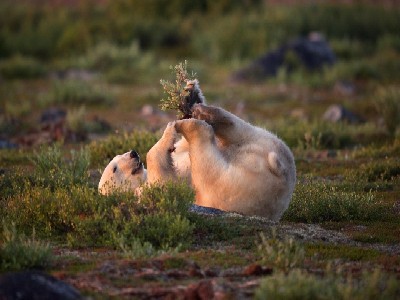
[[176, 93]]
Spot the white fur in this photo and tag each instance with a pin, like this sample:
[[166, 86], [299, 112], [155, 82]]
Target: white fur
[[122, 179]]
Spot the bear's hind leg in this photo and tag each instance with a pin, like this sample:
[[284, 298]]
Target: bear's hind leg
[[207, 162]]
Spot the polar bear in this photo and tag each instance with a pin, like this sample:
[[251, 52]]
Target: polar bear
[[123, 173], [231, 164]]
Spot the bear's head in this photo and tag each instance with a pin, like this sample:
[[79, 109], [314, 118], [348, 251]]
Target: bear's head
[[124, 173]]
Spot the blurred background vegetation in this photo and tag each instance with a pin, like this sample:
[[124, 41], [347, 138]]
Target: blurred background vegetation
[[217, 30], [101, 62]]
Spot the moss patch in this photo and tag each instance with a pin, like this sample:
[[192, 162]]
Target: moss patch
[[223, 258], [346, 252]]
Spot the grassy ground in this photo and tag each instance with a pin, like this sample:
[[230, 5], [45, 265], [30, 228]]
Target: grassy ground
[[341, 233]]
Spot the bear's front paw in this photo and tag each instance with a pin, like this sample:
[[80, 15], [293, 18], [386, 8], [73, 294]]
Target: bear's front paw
[[202, 112], [170, 134], [192, 128]]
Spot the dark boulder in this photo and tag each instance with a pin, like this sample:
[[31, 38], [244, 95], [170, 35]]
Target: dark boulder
[[53, 115], [34, 285], [312, 52], [337, 113]]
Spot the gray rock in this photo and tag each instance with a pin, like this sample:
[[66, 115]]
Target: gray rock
[[53, 115], [337, 113], [205, 210]]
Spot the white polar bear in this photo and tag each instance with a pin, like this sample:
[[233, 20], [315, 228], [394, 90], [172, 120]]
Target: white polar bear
[[231, 164], [123, 173]]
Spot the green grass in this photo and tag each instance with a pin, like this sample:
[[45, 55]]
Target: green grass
[[226, 258]]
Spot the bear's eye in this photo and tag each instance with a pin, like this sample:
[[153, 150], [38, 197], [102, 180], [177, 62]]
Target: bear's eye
[[115, 169]]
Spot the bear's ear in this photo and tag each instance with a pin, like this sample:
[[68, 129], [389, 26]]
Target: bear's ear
[[115, 169]]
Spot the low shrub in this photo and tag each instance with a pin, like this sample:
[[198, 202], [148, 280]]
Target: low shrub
[[75, 120], [165, 230], [317, 202], [387, 103], [284, 254], [300, 285], [135, 249], [160, 218], [54, 211], [102, 151], [21, 67], [54, 170], [75, 212], [18, 252]]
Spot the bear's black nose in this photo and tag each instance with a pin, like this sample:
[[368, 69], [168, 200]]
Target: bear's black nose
[[134, 154]]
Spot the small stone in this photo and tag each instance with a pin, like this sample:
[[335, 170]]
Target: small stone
[[211, 272], [205, 210], [147, 110], [202, 290], [257, 270]]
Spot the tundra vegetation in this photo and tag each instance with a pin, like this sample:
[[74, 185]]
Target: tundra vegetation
[[102, 65]]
